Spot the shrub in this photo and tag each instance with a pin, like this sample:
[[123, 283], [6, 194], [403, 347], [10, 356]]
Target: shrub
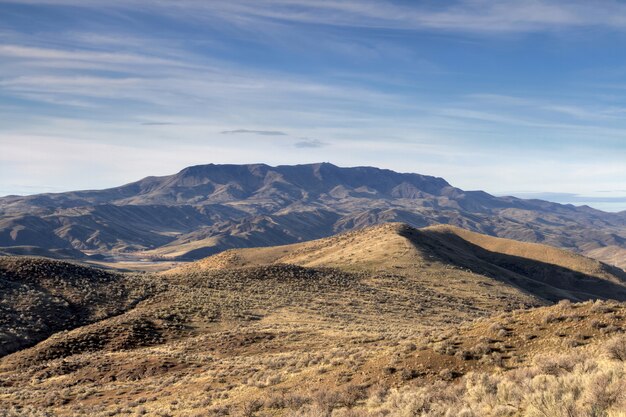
[[249, 408], [445, 347], [616, 348]]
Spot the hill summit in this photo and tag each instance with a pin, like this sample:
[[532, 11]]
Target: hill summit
[[545, 272]]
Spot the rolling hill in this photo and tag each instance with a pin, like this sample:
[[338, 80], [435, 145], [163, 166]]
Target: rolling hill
[[543, 271], [206, 209], [40, 297], [284, 330]]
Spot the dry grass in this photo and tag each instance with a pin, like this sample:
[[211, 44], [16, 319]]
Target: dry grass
[[582, 386], [39, 297], [308, 366], [381, 327]]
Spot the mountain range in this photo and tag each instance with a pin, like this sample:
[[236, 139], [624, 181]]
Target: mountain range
[[206, 209]]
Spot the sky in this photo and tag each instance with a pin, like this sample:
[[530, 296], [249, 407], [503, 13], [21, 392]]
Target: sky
[[524, 98]]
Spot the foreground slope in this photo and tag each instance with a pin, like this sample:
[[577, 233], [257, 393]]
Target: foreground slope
[[205, 209], [327, 323], [39, 297], [534, 362]]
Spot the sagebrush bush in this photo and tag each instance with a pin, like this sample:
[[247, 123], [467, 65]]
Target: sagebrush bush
[[568, 385], [616, 348]]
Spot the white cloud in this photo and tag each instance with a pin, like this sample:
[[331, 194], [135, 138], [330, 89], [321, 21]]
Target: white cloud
[[480, 16], [50, 54]]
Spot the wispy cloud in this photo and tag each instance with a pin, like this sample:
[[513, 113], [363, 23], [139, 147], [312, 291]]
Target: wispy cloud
[[586, 111], [483, 16], [189, 83], [254, 132], [80, 57], [309, 143]]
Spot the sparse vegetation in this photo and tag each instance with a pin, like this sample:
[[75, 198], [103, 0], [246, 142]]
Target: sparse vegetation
[[311, 331]]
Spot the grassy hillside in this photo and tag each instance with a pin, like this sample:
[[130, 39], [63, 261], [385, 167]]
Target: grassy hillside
[[390, 320], [542, 271], [40, 297]]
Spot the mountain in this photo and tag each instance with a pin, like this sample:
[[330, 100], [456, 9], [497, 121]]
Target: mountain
[[336, 323], [206, 209]]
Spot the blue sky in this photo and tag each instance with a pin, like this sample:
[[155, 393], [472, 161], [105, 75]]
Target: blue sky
[[513, 97]]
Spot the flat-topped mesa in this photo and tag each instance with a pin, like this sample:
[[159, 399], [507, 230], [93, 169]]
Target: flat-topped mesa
[[203, 184]]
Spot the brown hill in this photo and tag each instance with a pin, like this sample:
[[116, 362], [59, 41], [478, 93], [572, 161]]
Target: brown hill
[[543, 271], [613, 255], [317, 361], [39, 297], [347, 323]]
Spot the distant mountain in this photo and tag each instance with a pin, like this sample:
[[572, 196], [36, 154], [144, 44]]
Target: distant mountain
[[206, 209]]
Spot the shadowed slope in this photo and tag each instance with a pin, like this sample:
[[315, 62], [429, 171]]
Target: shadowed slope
[[537, 252], [39, 297], [545, 272]]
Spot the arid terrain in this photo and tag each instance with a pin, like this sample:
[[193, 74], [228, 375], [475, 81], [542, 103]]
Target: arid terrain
[[386, 321]]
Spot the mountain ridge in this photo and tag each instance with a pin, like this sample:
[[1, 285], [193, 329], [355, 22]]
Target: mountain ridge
[[204, 209]]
